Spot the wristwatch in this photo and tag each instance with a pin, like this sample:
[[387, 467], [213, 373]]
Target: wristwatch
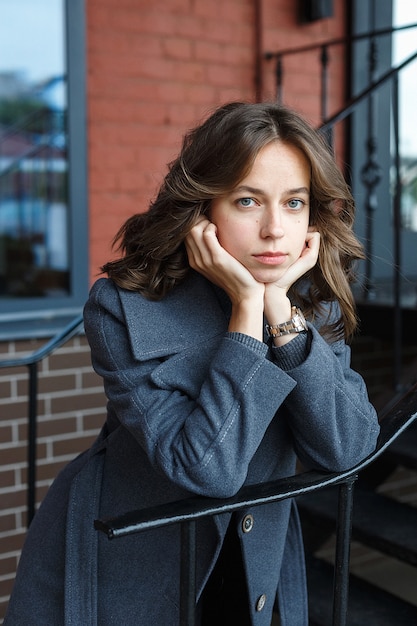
[[297, 324]]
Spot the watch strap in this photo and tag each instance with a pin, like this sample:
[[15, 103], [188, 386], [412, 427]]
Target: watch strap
[[297, 324]]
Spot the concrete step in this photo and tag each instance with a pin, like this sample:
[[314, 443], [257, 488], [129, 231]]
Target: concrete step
[[379, 522], [368, 605], [404, 450]]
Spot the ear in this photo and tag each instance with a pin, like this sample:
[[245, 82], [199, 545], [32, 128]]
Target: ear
[[337, 206]]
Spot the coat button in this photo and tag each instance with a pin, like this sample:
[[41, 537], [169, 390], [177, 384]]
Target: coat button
[[261, 602], [247, 523]]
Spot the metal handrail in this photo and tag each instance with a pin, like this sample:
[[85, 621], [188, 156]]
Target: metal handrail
[[31, 362], [339, 41], [186, 512], [370, 172], [322, 47], [352, 104]]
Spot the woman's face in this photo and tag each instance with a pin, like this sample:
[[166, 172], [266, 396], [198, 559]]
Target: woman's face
[[264, 220]]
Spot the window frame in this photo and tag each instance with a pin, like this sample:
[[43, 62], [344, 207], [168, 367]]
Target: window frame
[[38, 316]]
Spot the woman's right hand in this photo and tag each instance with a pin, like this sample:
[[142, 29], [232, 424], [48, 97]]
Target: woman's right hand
[[209, 258]]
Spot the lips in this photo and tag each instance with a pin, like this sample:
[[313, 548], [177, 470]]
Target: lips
[[271, 258]]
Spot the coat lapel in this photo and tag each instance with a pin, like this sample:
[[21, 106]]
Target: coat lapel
[[190, 312]]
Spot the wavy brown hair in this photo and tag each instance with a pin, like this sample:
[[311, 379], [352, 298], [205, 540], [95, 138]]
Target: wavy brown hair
[[215, 157]]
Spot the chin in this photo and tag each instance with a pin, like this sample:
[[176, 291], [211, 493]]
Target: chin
[[267, 277]]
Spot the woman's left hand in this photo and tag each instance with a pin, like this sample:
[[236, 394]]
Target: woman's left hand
[[305, 262], [277, 307]]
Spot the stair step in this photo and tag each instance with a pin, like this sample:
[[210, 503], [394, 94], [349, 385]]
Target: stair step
[[404, 449], [367, 606], [379, 522]]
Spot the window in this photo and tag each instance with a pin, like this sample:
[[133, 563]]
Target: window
[[390, 271], [43, 214], [404, 45]]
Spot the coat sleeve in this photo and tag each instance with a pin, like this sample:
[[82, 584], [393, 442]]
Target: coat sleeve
[[200, 414], [333, 423]]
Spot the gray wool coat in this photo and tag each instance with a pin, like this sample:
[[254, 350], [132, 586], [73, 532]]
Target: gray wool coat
[[192, 409]]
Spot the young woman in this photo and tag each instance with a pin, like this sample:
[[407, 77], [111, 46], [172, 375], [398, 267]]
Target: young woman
[[220, 334]]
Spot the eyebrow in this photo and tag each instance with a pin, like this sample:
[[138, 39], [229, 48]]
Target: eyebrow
[[255, 190]]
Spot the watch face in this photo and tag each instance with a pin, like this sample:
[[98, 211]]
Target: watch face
[[299, 322]]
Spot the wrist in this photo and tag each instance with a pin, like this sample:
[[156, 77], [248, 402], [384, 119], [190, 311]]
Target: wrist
[[277, 309], [247, 318], [282, 332]]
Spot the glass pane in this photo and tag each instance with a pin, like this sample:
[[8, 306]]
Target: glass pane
[[404, 45], [34, 253]]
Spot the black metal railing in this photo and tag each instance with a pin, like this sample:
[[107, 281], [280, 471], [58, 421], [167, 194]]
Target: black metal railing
[[32, 361], [322, 49], [188, 512], [371, 170]]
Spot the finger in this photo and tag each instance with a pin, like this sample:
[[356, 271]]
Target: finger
[[197, 228], [313, 241], [198, 244], [209, 238], [192, 247]]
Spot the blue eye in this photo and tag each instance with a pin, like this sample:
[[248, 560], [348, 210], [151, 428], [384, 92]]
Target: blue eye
[[295, 204], [245, 202]]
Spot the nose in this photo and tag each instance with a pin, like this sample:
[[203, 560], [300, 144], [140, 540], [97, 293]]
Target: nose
[[272, 225]]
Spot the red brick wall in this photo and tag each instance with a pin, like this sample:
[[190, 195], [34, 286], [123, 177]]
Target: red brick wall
[[154, 69]]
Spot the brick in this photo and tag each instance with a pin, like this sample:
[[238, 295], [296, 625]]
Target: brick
[[7, 566], [18, 409], [190, 23], [178, 48], [68, 360], [18, 454], [182, 115], [220, 75], [155, 20], [13, 372], [49, 383], [6, 433], [7, 478], [53, 427], [191, 72], [94, 422], [7, 523], [91, 379], [121, 157], [202, 95], [23, 348], [14, 499], [212, 51], [77, 402], [5, 349], [5, 388], [231, 11], [72, 446], [49, 471], [228, 94]]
